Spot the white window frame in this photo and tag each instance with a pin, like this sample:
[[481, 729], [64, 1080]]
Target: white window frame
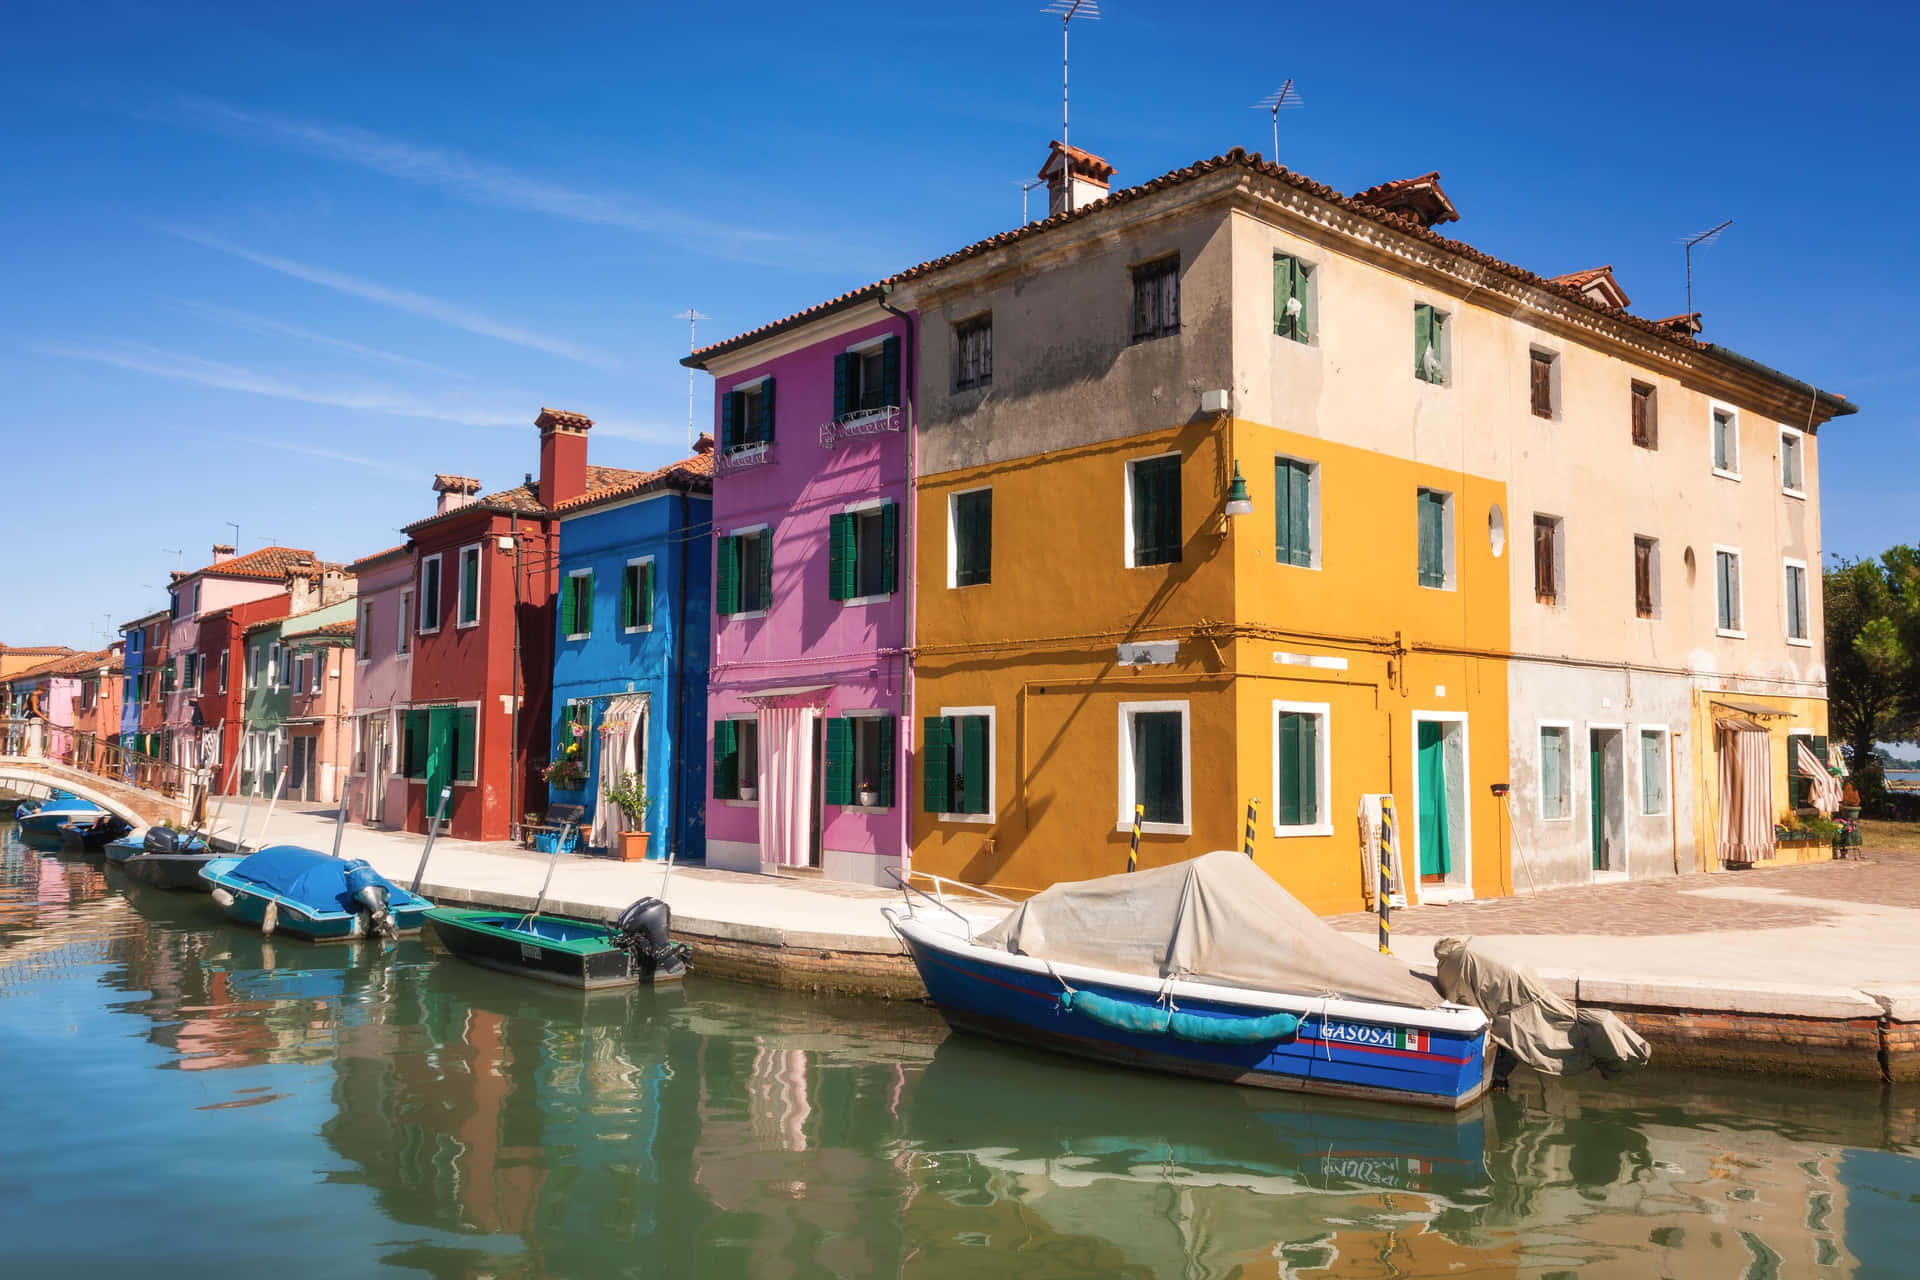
[[1540, 768], [460, 586], [626, 630], [1126, 790], [1733, 445], [1640, 732], [1739, 630], [1799, 439], [571, 575], [297, 679], [751, 384], [993, 766], [1788, 564], [1126, 510], [319, 671], [1322, 765], [1554, 362], [853, 765], [252, 674], [856, 509], [401, 647], [1312, 305], [225, 661], [953, 539], [1313, 502], [420, 594]]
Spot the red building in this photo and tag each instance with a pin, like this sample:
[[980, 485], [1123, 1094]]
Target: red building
[[483, 592], [219, 701]]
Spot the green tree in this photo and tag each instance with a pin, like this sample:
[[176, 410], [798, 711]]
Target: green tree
[[1873, 657]]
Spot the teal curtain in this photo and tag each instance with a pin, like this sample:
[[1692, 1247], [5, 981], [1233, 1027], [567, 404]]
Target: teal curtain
[[1436, 849]]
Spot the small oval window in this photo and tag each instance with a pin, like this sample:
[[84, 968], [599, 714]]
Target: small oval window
[[1496, 530], [1687, 559]]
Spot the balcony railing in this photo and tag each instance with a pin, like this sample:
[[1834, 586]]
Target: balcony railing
[[867, 422], [90, 753], [744, 457]]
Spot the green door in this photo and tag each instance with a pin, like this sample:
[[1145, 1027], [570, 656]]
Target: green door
[[1436, 836], [1596, 802], [440, 752]]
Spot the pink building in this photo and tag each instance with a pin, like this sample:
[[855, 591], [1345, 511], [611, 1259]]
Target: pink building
[[383, 681], [809, 680]]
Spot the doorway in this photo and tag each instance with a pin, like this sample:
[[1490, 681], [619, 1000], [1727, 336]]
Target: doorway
[[1442, 830], [817, 790], [299, 765], [1607, 798], [376, 767]]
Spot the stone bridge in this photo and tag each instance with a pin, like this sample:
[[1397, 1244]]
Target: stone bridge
[[35, 776]]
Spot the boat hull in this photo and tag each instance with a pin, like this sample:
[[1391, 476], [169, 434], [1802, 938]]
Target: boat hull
[[179, 871], [46, 823], [567, 953], [1337, 1055], [247, 903]]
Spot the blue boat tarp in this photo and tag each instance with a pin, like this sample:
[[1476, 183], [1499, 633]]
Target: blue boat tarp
[[305, 876]]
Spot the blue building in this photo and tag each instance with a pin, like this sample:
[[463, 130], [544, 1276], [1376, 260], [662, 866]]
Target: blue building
[[633, 616], [144, 639]]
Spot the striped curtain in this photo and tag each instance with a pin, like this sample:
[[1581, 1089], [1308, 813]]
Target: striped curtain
[[1826, 788], [786, 785], [1746, 793]]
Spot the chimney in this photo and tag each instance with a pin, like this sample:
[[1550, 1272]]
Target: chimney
[[704, 444], [222, 553], [563, 455], [1075, 178], [454, 491], [1418, 198]]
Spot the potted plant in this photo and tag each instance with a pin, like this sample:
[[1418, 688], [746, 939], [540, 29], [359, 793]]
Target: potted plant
[[869, 795], [628, 793], [748, 790], [567, 773]]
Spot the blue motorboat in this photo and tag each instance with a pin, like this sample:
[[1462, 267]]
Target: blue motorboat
[[311, 895], [58, 809], [1205, 968], [164, 858]]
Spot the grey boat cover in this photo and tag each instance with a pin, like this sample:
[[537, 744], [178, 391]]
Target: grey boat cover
[[1216, 918], [1534, 1024]]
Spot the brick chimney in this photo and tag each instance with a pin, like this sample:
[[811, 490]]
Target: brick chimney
[[454, 491], [1075, 178], [563, 455], [704, 444], [222, 553]]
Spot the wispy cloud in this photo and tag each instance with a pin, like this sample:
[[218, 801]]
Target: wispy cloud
[[287, 446], [265, 324], [645, 432], [141, 358], [406, 300]]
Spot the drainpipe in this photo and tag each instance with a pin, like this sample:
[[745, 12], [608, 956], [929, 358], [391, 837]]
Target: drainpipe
[[676, 781], [902, 770]]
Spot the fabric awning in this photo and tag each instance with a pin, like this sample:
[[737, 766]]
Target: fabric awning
[[1757, 709], [785, 691], [1737, 722]]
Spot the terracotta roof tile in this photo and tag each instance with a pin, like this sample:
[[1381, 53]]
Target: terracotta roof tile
[[266, 563], [1083, 164], [57, 650], [343, 628], [562, 418], [261, 623], [72, 664], [1423, 195], [455, 484], [377, 556], [524, 499], [694, 474]]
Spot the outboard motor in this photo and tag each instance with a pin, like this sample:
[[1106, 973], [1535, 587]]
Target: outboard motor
[[644, 930], [368, 889], [161, 840]]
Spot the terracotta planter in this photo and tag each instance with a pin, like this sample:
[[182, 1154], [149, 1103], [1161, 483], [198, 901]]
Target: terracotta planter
[[633, 846]]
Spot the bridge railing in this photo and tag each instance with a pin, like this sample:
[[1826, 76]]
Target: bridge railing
[[91, 753]]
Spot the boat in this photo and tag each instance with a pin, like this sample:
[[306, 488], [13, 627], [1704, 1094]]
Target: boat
[[92, 837], [164, 858], [571, 953], [311, 895], [1206, 968], [49, 815]]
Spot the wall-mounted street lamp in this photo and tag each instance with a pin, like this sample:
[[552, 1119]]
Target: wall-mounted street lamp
[[1239, 501]]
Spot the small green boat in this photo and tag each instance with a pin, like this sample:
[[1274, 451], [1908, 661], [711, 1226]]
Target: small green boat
[[569, 953]]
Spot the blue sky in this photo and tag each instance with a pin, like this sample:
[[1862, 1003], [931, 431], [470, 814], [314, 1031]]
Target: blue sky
[[279, 266]]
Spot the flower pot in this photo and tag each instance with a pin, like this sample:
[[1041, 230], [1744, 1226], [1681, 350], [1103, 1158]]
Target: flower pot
[[748, 793], [869, 799], [1851, 812], [633, 846]]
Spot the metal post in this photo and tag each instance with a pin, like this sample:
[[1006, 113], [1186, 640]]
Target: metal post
[[279, 785], [433, 829], [1386, 872], [1133, 854], [340, 819], [1253, 814], [559, 844]]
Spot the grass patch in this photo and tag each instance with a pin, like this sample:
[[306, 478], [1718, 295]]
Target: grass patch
[[1878, 836]]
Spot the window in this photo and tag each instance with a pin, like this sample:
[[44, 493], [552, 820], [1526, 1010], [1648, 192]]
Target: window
[[859, 761], [1156, 299], [957, 762], [468, 613], [746, 416], [1726, 443], [636, 594], [1153, 511], [1646, 421], [973, 353], [970, 538], [1793, 467], [299, 678], [223, 669], [1549, 560], [1430, 344], [866, 378], [366, 631], [430, 595], [1799, 780], [1434, 511], [1302, 770], [1646, 577], [253, 667], [1556, 772], [319, 672], [403, 643], [576, 605], [1653, 772], [1296, 513], [195, 664], [861, 553], [1292, 298], [736, 759], [1153, 767], [744, 572], [1543, 383], [1797, 602], [1726, 589]]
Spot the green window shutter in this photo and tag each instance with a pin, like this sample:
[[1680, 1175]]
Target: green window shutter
[[726, 594], [890, 371], [729, 420], [842, 380], [1282, 291], [646, 595], [936, 765], [766, 569], [883, 782], [470, 587], [465, 736], [1309, 774], [889, 549], [567, 607], [416, 744], [1432, 532], [1156, 511], [973, 532], [1157, 766], [975, 760], [840, 556], [839, 765], [726, 760], [1287, 747], [583, 611], [1303, 323], [629, 596], [1422, 339], [1300, 505], [766, 410]]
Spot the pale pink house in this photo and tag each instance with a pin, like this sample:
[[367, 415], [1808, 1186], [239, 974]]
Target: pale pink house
[[383, 681]]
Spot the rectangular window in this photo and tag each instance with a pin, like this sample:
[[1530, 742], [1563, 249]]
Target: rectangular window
[[862, 552], [196, 669], [366, 631], [1726, 443], [1653, 772], [1556, 772], [1156, 299], [1292, 298], [1726, 590], [970, 538], [1799, 780], [223, 669], [1434, 511], [973, 353], [1549, 560], [743, 572], [1793, 477], [1646, 577], [1430, 344], [299, 677], [746, 417], [1543, 370], [430, 595], [319, 671], [957, 763], [736, 759], [1797, 602], [1153, 766], [403, 643], [1296, 515], [469, 605], [866, 378], [1302, 758], [1153, 511], [1646, 422], [253, 667], [636, 595], [859, 761], [576, 605]]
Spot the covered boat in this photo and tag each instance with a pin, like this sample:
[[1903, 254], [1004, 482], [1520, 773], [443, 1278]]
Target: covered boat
[[164, 858], [1205, 968], [48, 816], [311, 895], [93, 836], [569, 953]]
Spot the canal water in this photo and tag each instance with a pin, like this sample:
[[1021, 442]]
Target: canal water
[[181, 1098]]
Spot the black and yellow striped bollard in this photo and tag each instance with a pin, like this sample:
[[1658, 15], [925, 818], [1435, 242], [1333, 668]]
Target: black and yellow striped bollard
[[1133, 854], [1253, 814], [1386, 872]]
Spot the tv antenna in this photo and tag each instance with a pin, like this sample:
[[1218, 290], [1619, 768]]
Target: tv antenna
[[1286, 97], [1025, 187], [1704, 239], [178, 557], [236, 534], [1067, 11], [693, 317]]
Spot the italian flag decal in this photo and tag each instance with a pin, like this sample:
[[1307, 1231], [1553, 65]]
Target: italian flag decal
[[1418, 1041]]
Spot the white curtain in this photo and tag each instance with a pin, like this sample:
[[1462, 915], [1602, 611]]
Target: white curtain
[[1746, 792], [623, 729], [786, 785]]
